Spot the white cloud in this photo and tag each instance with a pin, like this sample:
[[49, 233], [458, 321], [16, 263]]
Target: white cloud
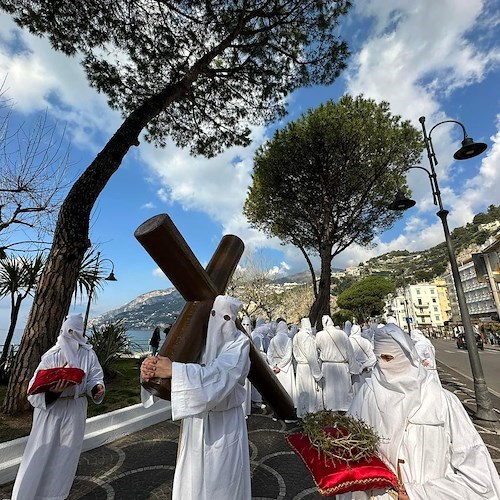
[[158, 273], [148, 206], [39, 78], [216, 186]]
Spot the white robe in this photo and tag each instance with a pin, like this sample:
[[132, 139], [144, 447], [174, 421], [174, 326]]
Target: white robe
[[258, 340], [337, 365], [213, 459], [282, 358], [444, 457], [307, 389], [50, 459], [363, 352]]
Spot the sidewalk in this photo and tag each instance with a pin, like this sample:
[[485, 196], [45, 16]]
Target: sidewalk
[[141, 465]]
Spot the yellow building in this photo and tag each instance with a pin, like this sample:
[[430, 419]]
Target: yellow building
[[444, 300]]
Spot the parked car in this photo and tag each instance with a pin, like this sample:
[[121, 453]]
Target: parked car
[[462, 344]]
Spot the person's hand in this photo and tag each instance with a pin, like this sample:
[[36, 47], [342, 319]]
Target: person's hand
[[60, 385], [426, 362], [402, 495], [99, 393], [156, 366], [276, 369]]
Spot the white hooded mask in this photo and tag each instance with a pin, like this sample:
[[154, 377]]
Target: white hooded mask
[[246, 324], [398, 386], [70, 339], [221, 326]]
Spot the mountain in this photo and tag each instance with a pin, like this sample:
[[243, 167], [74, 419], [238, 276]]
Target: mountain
[[151, 309]]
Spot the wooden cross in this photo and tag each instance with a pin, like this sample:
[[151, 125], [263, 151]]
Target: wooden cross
[[199, 287]]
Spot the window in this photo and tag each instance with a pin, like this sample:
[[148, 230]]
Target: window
[[434, 301], [437, 317], [418, 291], [419, 302]]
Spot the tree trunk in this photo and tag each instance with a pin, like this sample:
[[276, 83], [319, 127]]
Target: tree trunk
[[14, 313], [321, 304], [311, 268]]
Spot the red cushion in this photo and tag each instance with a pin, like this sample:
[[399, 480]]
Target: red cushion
[[45, 378], [335, 477]]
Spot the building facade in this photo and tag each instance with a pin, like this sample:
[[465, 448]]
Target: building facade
[[418, 306]]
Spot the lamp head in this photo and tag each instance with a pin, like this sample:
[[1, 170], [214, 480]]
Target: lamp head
[[111, 277], [401, 202], [469, 149]]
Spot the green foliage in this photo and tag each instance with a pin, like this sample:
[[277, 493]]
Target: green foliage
[[326, 179], [210, 66], [110, 342], [481, 236], [341, 316], [341, 284], [366, 297]]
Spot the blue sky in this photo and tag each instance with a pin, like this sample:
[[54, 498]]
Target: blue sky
[[435, 59]]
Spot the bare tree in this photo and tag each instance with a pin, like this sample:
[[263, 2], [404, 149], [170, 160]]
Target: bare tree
[[34, 167]]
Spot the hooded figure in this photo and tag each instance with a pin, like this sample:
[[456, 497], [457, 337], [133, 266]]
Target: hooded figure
[[425, 351], [308, 379], [338, 363], [427, 437], [213, 460], [363, 352], [258, 336], [50, 459], [347, 327], [280, 356], [246, 323]]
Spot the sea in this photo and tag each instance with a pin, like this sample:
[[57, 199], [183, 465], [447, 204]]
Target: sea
[[139, 339]]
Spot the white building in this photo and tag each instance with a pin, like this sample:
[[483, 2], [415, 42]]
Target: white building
[[478, 295], [420, 303]]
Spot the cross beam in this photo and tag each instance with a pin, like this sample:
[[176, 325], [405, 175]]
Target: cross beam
[[199, 287]]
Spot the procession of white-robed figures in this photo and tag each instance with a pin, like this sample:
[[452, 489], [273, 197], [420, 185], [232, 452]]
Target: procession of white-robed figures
[[376, 373]]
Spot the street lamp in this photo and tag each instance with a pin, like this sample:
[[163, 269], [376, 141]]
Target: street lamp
[[95, 275], [469, 149]]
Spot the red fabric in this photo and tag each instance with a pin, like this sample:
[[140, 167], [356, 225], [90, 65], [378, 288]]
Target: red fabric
[[45, 378], [334, 476]]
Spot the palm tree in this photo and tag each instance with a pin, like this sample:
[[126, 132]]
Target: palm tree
[[18, 279]]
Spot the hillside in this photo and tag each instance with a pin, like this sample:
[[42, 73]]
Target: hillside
[[407, 267], [151, 309]]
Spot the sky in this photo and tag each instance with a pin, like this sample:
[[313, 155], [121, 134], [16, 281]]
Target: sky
[[440, 60]]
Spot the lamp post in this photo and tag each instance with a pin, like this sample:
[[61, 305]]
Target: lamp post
[[95, 277], [469, 149]]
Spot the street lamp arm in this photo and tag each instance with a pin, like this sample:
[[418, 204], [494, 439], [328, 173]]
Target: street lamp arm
[[433, 181], [447, 121]]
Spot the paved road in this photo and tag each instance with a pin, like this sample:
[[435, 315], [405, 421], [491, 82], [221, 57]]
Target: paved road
[[458, 359], [140, 466]]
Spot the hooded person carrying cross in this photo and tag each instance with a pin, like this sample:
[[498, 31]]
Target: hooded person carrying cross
[[213, 459]]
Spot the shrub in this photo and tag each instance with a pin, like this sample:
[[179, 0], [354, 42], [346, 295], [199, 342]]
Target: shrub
[[110, 342]]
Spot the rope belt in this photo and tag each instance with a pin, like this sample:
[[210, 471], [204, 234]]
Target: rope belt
[[72, 397], [338, 362]]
